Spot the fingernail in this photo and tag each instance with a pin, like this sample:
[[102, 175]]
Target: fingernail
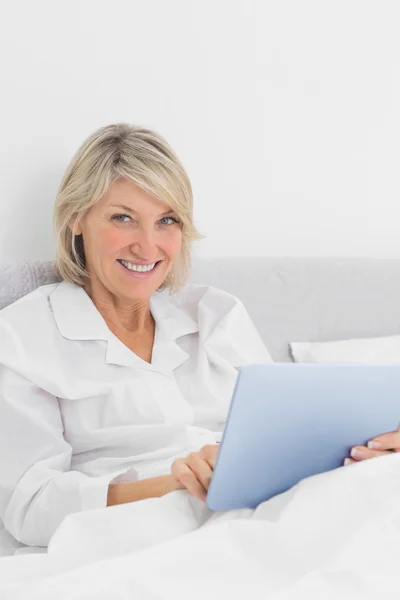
[[356, 453], [374, 445], [347, 461]]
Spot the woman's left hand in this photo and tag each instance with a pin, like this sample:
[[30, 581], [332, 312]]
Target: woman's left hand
[[386, 443]]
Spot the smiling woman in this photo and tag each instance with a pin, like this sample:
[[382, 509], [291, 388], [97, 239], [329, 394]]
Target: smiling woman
[[124, 169], [125, 205], [115, 383], [119, 246]]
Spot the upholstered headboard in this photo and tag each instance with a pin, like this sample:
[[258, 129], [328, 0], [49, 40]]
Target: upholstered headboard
[[289, 299], [19, 278]]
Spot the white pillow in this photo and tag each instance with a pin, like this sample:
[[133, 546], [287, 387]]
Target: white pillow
[[362, 350]]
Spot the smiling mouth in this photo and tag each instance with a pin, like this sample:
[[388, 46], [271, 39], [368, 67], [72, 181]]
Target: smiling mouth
[[138, 268]]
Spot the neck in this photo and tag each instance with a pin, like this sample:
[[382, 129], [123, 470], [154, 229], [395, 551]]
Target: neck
[[123, 316]]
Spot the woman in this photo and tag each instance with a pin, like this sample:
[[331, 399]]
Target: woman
[[115, 382]]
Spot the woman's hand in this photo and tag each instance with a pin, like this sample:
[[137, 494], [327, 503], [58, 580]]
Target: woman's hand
[[194, 472], [386, 443]]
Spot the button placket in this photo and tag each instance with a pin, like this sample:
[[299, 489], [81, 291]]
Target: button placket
[[173, 404]]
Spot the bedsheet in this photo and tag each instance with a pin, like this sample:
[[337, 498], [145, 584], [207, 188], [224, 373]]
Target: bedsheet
[[8, 545], [334, 535]]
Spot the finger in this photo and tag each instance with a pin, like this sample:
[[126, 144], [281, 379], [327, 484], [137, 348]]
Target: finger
[[386, 441], [210, 453], [363, 453], [188, 479], [201, 468], [348, 461]]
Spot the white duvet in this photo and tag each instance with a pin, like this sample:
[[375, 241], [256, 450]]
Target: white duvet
[[336, 535]]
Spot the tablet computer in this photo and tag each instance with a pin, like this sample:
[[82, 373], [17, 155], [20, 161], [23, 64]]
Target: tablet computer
[[288, 421]]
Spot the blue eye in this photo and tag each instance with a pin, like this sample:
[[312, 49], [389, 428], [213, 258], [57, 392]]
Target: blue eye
[[121, 218], [170, 218]]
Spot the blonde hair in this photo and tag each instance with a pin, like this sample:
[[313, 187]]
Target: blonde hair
[[143, 157]]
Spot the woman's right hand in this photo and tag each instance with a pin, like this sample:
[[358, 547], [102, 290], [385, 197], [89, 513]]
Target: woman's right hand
[[194, 472]]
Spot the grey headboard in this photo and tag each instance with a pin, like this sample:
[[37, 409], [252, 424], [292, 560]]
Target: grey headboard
[[289, 299]]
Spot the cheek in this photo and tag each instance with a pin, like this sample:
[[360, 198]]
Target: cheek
[[109, 241], [173, 244]]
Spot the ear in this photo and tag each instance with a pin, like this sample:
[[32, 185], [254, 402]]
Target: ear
[[74, 225]]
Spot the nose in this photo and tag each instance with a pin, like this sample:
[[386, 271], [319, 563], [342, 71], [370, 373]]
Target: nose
[[144, 245]]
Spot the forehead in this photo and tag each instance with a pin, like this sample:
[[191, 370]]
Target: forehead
[[125, 192]]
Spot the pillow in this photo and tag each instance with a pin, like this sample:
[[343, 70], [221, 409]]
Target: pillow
[[361, 350]]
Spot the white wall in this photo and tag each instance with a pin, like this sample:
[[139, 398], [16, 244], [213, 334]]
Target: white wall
[[285, 113]]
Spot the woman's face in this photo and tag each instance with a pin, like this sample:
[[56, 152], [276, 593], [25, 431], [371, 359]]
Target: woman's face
[[126, 227]]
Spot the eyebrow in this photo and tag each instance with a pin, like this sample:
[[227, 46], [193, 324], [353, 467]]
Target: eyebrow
[[131, 210]]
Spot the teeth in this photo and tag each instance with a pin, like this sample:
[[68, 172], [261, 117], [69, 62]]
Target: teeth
[[139, 268]]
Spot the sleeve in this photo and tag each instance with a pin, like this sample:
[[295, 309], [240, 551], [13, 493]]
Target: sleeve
[[228, 330], [37, 488]]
